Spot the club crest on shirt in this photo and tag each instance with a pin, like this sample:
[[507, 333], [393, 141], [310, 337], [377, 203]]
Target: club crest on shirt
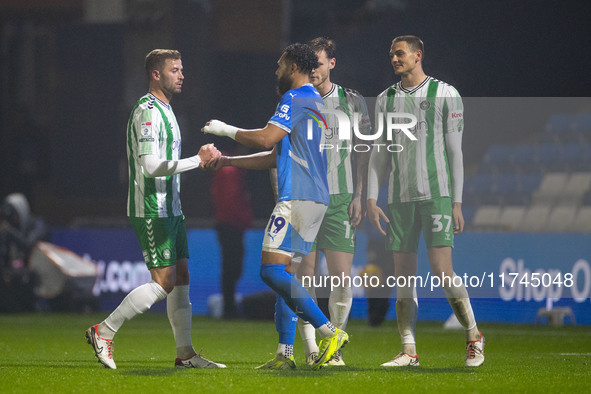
[[425, 105], [342, 109]]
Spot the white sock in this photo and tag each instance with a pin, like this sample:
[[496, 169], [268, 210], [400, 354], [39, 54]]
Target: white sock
[[326, 330], [339, 306], [458, 299], [307, 330], [407, 308], [178, 309], [138, 301], [285, 350]]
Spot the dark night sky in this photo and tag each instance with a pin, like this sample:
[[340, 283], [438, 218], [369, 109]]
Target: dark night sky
[[518, 49], [485, 48]]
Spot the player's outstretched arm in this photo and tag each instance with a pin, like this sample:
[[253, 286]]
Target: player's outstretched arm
[[154, 167], [264, 138], [256, 161]]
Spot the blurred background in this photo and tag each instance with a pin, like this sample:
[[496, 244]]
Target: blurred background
[[71, 70]]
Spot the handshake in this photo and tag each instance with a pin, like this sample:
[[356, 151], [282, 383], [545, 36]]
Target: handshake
[[211, 157]]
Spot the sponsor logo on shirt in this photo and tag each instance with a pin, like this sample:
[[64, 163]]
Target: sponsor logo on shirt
[[176, 144], [457, 115], [282, 115], [146, 129]]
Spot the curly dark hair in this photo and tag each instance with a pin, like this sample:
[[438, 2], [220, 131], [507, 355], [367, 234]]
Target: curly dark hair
[[302, 56]]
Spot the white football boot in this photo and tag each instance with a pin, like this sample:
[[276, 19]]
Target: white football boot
[[475, 352], [197, 361], [337, 359], [403, 360], [103, 348]]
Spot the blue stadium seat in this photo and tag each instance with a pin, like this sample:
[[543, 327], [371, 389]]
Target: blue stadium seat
[[559, 123], [582, 122], [490, 198], [549, 157], [477, 186], [566, 128], [506, 183], [574, 155], [510, 190], [498, 158], [468, 212], [498, 153], [530, 182], [524, 158]]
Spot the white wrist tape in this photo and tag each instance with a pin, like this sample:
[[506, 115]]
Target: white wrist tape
[[217, 127]]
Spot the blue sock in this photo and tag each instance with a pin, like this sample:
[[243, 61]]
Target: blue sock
[[285, 321], [293, 293]]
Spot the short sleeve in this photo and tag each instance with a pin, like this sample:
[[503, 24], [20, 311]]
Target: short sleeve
[[283, 114]]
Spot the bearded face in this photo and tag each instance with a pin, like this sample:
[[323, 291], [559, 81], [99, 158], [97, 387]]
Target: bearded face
[[283, 84], [284, 76]]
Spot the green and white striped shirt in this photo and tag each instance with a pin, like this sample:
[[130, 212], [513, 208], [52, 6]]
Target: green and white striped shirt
[[152, 130], [340, 166], [421, 171]]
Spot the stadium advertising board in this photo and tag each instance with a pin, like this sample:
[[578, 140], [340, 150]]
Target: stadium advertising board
[[509, 276]]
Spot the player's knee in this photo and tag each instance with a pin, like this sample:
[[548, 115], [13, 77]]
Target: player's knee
[[266, 274], [271, 273], [167, 284], [182, 278]]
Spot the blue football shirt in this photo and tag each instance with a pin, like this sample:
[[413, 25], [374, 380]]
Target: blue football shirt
[[301, 166]]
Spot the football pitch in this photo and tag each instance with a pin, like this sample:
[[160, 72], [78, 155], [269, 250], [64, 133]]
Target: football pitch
[[48, 353]]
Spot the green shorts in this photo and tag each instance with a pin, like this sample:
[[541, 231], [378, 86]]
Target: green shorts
[[163, 240], [408, 219], [336, 232]]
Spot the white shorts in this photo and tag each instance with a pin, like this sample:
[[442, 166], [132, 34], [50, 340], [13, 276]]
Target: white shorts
[[293, 227]]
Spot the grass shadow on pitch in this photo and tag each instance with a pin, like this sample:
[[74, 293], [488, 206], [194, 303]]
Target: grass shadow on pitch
[[150, 372], [306, 371], [53, 364], [444, 370], [328, 371]]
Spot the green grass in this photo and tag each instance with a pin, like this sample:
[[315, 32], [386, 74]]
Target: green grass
[[48, 353]]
